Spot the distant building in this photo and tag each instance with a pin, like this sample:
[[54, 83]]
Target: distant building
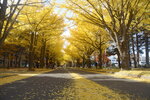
[[113, 60]]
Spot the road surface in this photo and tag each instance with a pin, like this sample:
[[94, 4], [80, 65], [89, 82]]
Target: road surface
[[74, 84]]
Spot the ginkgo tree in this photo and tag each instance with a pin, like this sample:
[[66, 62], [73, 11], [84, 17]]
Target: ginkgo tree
[[72, 56], [42, 25], [91, 39], [55, 51], [9, 12], [17, 39], [118, 17], [37, 29]]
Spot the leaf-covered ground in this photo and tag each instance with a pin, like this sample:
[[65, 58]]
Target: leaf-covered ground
[[141, 75], [73, 84], [84, 89], [11, 75]]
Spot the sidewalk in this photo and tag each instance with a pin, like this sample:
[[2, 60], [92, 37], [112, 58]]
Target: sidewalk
[[142, 75], [138, 75]]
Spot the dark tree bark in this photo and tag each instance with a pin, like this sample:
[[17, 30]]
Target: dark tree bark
[[4, 60], [118, 54], [88, 61], [3, 8], [8, 60], [137, 47], [42, 57], [47, 59], [100, 53], [31, 53], [16, 60], [129, 52], [10, 19], [83, 61], [19, 60], [119, 64], [100, 60], [125, 53], [147, 49], [11, 60], [78, 63]]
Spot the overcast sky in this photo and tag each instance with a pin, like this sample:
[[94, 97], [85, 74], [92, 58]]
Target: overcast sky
[[62, 11]]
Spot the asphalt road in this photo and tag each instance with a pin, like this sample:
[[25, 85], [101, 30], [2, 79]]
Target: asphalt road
[[49, 86]]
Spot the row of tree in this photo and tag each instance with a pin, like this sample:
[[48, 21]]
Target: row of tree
[[30, 28], [107, 21], [31, 31]]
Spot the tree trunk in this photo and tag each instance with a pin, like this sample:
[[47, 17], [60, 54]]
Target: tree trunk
[[89, 62], [47, 59], [11, 60], [137, 46], [95, 61], [16, 60], [78, 63], [133, 49], [19, 60], [8, 62], [4, 60], [119, 60], [2, 15], [147, 49], [129, 52], [100, 53], [41, 57], [125, 54], [118, 54], [43, 49], [100, 59], [83, 62], [31, 51]]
